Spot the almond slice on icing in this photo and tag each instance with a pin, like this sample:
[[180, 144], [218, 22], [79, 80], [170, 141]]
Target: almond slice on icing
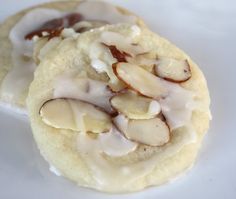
[[135, 106], [145, 60], [75, 115], [152, 132], [140, 80], [173, 70]]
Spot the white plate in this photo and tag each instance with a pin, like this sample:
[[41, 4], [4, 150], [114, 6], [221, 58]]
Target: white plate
[[206, 30]]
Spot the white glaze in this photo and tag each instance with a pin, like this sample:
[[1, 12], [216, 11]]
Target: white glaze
[[17, 81], [178, 105], [97, 93], [154, 108], [69, 32], [115, 144], [121, 121], [103, 11], [99, 65]]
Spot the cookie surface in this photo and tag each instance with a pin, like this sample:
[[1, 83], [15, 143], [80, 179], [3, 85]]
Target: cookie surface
[[64, 149]]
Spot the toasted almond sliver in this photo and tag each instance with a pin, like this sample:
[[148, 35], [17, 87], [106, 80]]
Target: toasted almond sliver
[[145, 60], [75, 115], [140, 80], [173, 70], [152, 132], [135, 106]]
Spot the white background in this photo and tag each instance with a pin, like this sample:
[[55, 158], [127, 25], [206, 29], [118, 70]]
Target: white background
[[206, 30]]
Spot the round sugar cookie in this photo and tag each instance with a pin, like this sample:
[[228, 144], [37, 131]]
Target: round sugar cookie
[[78, 131]]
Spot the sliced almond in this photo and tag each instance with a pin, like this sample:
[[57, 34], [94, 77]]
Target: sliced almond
[[173, 70], [117, 86], [146, 60], [75, 115], [135, 106], [102, 61], [152, 132], [53, 28], [71, 19], [140, 80], [114, 83]]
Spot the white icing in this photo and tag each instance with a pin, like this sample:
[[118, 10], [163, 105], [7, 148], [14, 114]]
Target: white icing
[[115, 144], [69, 32], [177, 106], [99, 52], [17, 81], [99, 65], [54, 170], [136, 31], [121, 122], [102, 60], [154, 108], [103, 11], [85, 89], [35, 38], [44, 34]]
